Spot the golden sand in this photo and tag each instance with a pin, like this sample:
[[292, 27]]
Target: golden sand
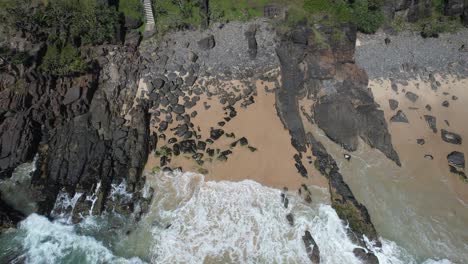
[[272, 164]]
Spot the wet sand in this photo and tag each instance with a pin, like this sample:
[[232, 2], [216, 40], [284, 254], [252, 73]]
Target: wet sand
[[421, 205], [271, 164]]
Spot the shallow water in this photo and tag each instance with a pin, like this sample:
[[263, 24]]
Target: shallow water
[[423, 216], [193, 221]]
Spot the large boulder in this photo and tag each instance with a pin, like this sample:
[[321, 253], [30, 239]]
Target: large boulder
[[207, 43]]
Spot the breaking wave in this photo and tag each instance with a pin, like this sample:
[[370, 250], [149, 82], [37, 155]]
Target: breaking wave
[[193, 221]]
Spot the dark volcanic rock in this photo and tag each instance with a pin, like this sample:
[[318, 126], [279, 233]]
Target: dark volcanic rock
[[216, 133], [451, 137], [311, 247], [411, 96], [456, 161], [290, 219], [432, 122], [207, 43], [399, 117], [366, 257], [188, 146], [393, 104]]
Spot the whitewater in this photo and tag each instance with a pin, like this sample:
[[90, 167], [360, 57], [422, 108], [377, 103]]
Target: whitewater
[[195, 221]]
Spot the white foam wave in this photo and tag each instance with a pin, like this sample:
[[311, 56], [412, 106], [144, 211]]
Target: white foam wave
[[241, 222], [54, 242]]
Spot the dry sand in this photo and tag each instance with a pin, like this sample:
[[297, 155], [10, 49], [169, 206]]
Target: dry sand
[[272, 164]]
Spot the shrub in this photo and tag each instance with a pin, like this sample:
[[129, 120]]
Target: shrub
[[66, 61], [367, 18]]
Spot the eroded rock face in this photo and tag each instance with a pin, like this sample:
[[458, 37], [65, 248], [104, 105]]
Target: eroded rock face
[[343, 107], [78, 125]]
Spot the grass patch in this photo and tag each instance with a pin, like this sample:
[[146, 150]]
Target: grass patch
[[171, 14]]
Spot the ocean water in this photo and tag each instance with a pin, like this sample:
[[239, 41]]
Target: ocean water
[[194, 221]]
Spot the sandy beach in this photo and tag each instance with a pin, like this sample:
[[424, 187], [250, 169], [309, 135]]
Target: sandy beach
[[269, 161]]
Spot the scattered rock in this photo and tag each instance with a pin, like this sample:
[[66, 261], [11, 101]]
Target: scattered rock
[[451, 137], [420, 141], [393, 104], [445, 103], [243, 141], [347, 157], [428, 157], [432, 122], [428, 107], [215, 134], [412, 96], [456, 161], [399, 117]]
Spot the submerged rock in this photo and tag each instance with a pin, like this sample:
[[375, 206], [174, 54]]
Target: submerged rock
[[365, 256], [311, 248]]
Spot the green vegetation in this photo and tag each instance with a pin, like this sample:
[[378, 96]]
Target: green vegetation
[[133, 9], [347, 211], [64, 61], [176, 14]]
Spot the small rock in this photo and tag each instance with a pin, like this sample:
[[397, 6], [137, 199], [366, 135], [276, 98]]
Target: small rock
[[420, 141], [412, 96], [445, 103], [428, 107], [216, 133], [428, 157], [451, 137], [456, 161], [432, 122], [393, 104], [399, 117], [366, 257]]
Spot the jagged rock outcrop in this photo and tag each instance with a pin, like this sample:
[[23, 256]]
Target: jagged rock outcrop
[[87, 128], [343, 107]]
